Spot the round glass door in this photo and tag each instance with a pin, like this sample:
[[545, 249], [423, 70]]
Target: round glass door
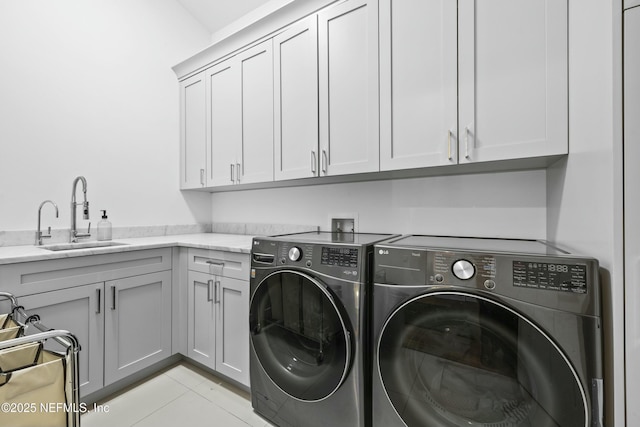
[[457, 359], [299, 335]]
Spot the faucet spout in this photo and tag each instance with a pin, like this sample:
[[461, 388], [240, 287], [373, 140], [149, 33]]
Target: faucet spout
[[39, 234], [74, 235]]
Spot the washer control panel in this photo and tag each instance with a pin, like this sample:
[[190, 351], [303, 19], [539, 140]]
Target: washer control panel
[[341, 257], [339, 261]]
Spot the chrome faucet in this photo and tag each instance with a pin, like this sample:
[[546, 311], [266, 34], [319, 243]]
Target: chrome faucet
[[39, 234], [73, 234]]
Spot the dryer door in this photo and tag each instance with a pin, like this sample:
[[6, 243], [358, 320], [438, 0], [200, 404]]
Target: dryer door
[[299, 335], [454, 358]]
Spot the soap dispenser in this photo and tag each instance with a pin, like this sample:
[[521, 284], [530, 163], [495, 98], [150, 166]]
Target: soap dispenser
[[104, 227]]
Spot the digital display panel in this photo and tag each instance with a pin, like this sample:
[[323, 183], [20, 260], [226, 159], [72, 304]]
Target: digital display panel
[[341, 257], [550, 276]]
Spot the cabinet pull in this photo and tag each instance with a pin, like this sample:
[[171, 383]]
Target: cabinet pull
[[313, 162], [113, 297], [324, 162], [466, 143], [217, 292], [98, 295], [209, 286], [202, 177], [238, 172], [232, 166], [449, 144]]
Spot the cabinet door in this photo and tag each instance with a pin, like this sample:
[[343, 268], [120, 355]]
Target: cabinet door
[[232, 328], [295, 54], [513, 79], [137, 324], [418, 83], [348, 70], [224, 132], [632, 207], [193, 128], [255, 159], [201, 319], [78, 310]]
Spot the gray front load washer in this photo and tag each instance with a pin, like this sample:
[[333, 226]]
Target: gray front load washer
[[309, 318], [485, 333]]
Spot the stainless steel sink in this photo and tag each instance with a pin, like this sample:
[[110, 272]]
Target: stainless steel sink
[[80, 245]]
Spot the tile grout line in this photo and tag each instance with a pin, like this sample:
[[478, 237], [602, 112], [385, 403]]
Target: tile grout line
[[187, 390]]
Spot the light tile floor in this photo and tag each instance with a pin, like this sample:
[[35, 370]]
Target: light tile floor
[[181, 394]]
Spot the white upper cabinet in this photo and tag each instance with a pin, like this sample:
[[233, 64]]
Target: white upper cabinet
[[193, 127], [240, 118], [380, 85], [418, 83], [513, 79], [255, 155], [348, 81], [224, 121], [295, 57]]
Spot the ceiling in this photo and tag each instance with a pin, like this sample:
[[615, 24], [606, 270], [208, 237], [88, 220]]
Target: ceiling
[[217, 14]]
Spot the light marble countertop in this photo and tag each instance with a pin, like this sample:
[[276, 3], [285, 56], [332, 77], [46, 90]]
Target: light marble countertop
[[214, 241]]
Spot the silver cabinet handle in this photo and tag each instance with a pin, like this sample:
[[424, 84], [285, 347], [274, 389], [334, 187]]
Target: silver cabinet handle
[[98, 295], [449, 144], [313, 162], [466, 143], [202, 177], [217, 291], [209, 286], [113, 297], [238, 172], [324, 162], [232, 166]]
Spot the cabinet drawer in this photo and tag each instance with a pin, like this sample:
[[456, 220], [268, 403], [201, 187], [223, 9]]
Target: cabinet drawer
[[225, 264]]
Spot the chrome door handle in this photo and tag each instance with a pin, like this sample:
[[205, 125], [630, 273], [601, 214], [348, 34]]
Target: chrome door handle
[[202, 177], [313, 162], [99, 295], [232, 166], [449, 156], [238, 172], [209, 286], [113, 297], [324, 162], [466, 143], [217, 292]]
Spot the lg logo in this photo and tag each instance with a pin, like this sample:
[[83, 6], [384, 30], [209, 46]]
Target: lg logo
[[383, 252]]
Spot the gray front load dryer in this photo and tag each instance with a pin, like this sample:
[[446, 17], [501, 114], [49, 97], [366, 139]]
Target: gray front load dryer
[[485, 333]]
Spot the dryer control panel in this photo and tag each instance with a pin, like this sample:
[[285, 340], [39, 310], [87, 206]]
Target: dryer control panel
[[550, 276]]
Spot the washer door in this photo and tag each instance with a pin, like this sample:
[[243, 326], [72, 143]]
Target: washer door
[[299, 335], [458, 359]]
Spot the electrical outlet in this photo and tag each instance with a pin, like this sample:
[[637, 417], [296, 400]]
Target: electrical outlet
[[344, 223]]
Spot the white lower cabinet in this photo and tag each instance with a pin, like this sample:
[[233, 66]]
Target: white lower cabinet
[[79, 310], [137, 324], [218, 315], [117, 305]]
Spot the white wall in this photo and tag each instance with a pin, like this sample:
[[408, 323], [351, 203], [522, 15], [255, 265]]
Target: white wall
[[86, 88], [584, 190], [508, 204]]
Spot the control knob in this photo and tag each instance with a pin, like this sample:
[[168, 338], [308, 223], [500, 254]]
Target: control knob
[[295, 253], [463, 269]]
